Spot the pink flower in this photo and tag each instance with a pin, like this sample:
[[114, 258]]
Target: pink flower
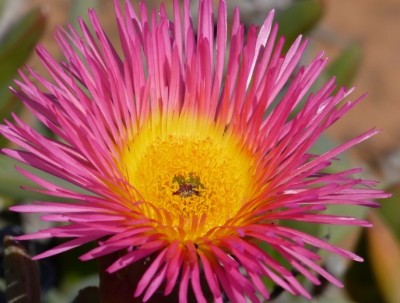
[[177, 158]]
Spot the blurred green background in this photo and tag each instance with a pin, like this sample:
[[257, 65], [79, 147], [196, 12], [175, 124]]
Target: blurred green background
[[361, 40]]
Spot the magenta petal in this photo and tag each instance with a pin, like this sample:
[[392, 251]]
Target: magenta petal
[[67, 246]]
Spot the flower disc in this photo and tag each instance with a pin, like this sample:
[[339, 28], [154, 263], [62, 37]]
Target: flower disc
[[190, 172]]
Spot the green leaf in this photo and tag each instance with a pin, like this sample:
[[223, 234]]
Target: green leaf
[[384, 251], [360, 282], [8, 104], [15, 47], [331, 295], [2, 5], [18, 42], [21, 274], [390, 209], [11, 181], [89, 294], [345, 66], [299, 18], [80, 8]]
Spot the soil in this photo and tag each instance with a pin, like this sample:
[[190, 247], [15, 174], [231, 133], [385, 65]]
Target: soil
[[376, 26]]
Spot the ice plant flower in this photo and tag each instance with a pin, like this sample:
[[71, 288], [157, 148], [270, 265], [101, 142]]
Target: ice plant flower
[[189, 152]]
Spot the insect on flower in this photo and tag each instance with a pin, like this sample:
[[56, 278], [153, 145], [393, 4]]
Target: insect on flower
[[182, 165]]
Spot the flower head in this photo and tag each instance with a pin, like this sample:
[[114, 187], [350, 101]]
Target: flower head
[[186, 154]]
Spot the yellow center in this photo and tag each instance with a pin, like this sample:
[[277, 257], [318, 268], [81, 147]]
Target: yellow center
[[189, 168]]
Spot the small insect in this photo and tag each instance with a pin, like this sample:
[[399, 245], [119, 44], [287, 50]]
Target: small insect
[[186, 190], [187, 186]]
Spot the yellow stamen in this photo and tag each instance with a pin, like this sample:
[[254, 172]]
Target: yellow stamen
[[189, 168]]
